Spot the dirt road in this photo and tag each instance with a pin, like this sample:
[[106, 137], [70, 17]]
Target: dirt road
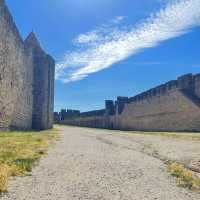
[[90, 164]]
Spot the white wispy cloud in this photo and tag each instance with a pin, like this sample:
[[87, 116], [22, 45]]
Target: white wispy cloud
[[102, 34], [87, 38], [108, 44], [118, 19]]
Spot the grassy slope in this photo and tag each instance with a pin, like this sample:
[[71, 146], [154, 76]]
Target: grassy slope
[[19, 152]]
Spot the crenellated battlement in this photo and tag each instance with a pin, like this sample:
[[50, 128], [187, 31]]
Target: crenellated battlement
[[187, 82], [110, 107], [172, 106]]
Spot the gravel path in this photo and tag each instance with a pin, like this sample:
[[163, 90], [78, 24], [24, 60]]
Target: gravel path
[[97, 164]]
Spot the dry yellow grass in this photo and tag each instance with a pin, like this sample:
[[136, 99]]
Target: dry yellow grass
[[185, 177], [19, 152]]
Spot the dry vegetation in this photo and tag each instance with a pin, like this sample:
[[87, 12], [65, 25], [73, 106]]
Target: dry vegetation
[[185, 178], [20, 151]]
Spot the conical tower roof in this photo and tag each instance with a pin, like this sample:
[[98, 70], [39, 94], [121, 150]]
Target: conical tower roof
[[32, 41]]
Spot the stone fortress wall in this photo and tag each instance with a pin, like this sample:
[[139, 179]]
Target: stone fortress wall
[[26, 79], [173, 106]]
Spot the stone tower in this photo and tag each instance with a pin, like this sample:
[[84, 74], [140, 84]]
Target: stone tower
[[43, 85]]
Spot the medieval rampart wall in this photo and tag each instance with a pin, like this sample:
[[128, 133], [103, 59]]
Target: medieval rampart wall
[[92, 122], [173, 111], [15, 75], [173, 106]]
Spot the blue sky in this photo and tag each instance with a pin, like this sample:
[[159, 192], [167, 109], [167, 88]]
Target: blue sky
[[108, 48]]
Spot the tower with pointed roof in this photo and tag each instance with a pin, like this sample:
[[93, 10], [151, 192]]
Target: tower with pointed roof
[[43, 84]]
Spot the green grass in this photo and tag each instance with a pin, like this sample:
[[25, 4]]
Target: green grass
[[20, 151]]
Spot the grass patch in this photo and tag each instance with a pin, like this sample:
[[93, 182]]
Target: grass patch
[[20, 151], [185, 177]]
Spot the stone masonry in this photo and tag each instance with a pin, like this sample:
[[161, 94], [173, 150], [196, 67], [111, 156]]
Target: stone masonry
[[26, 79], [173, 106]]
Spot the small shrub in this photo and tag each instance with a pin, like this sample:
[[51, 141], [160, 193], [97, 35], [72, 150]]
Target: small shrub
[[185, 177]]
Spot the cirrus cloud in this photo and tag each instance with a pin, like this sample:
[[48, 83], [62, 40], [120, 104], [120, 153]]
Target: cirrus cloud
[[108, 44]]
